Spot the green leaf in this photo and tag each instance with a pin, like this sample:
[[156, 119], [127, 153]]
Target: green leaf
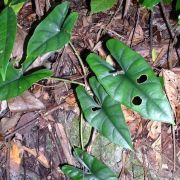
[[101, 5], [167, 1], [154, 54], [177, 5], [16, 5], [76, 174], [16, 83], [95, 166], [136, 86], [14, 2], [96, 169], [6, 2], [149, 4], [53, 33], [7, 38], [105, 114]]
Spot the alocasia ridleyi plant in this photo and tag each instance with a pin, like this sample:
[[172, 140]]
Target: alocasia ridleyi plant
[[53, 33]]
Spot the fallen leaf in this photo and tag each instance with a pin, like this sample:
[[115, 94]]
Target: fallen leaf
[[39, 156], [65, 143], [109, 59], [71, 100], [138, 35], [154, 54], [127, 6], [171, 88], [157, 149], [100, 49], [25, 102], [16, 154], [133, 120], [154, 129], [3, 107], [9, 123], [18, 48]]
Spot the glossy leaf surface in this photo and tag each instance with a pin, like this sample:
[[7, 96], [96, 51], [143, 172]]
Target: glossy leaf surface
[[7, 38], [105, 114], [16, 5], [96, 169], [177, 5], [136, 86], [16, 83], [101, 5], [149, 4], [77, 174], [53, 33]]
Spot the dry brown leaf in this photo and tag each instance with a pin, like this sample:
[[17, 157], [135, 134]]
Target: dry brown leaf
[[171, 88], [138, 35], [16, 153], [127, 6], [71, 100], [39, 156], [17, 52], [160, 51], [157, 149], [154, 129], [25, 102], [3, 107], [9, 123], [133, 120], [65, 143], [100, 49]]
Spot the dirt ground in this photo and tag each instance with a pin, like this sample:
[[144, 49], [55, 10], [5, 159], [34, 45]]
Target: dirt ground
[[39, 128]]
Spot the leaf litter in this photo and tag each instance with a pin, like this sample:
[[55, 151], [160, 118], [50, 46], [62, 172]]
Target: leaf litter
[[43, 152]]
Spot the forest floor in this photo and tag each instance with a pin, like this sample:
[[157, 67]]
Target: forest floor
[[39, 128]]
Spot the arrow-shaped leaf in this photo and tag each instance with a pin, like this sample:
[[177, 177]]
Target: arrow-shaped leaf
[[136, 86], [105, 115], [149, 4], [101, 5], [16, 5], [77, 174], [7, 38], [52, 33], [16, 83], [96, 169]]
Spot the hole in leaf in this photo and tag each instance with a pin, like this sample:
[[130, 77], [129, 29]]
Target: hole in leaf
[[137, 100], [96, 108], [142, 79]]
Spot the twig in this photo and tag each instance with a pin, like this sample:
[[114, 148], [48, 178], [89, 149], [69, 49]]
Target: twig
[[114, 15], [54, 109], [66, 80], [127, 5], [7, 136], [80, 61], [92, 139], [166, 20], [66, 148], [168, 25], [52, 134], [8, 160], [137, 20], [174, 148], [103, 30], [151, 32], [123, 164], [81, 132]]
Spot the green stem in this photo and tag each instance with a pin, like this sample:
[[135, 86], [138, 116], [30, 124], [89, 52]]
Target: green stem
[[66, 80], [79, 58], [81, 132]]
